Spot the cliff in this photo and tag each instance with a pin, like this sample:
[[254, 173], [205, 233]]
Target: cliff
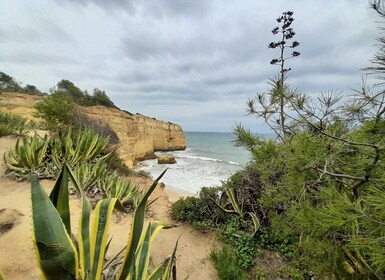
[[140, 136]]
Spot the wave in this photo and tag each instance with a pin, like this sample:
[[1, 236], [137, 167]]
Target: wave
[[207, 159]]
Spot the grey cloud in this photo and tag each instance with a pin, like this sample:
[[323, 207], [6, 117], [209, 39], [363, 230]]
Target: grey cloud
[[191, 62]]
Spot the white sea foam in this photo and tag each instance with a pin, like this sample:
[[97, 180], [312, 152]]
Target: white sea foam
[[208, 160], [191, 173]]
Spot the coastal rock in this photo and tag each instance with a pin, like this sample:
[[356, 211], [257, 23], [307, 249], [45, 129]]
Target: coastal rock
[[139, 136], [166, 159]]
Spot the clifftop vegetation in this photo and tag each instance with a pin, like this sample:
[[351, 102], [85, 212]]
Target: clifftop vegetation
[[317, 189], [63, 87]]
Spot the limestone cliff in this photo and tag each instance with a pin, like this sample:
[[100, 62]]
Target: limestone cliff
[[139, 136]]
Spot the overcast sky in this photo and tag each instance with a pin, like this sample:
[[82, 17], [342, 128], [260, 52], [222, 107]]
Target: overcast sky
[[195, 62]]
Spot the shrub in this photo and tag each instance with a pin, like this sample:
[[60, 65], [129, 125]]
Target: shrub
[[13, 124], [56, 110], [226, 263], [201, 211], [269, 238], [243, 244]]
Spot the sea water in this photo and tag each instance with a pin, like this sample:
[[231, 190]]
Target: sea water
[[209, 159]]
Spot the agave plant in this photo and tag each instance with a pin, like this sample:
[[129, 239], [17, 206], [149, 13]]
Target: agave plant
[[29, 157], [77, 146], [58, 256], [89, 174], [237, 209]]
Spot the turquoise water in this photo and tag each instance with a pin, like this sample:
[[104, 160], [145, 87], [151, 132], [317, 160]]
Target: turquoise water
[[208, 159]]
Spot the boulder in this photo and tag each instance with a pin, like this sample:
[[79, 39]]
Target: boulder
[[165, 159]]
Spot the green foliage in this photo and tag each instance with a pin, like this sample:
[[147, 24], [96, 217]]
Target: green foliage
[[60, 258], [8, 83], [121, 188], [89, 174], [29, 156], [14, 125], [233, 232], [269, 238], [226, 263], [200, 211], [77, 146], [67, 87], [45, 156], [98, 97], [321, 182], [56, 110]]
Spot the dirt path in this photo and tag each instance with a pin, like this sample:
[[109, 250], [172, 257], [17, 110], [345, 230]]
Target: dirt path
[[17, 253]]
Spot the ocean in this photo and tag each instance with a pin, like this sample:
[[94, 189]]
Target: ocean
[[209, 158]]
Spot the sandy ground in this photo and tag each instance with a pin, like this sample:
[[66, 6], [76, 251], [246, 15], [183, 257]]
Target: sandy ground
[[18, 256]]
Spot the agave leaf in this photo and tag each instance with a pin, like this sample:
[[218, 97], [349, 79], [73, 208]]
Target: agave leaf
[[136, 229], [60, 198], [255, 220], [170, 268], [84, 229], [99, 234], [57, 253], [143, 253], [234, 200], [157, 273]]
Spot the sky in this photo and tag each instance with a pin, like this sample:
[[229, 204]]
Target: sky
[[191, 62]]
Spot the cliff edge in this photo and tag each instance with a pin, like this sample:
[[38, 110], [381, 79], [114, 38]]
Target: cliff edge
[[139, 136]]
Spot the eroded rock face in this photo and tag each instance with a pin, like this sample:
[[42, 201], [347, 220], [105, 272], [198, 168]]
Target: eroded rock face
[[139, 136], [19, 104]]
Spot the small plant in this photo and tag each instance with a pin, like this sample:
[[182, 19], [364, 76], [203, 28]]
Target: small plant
[[89, 174], [123, 189], [233, 233], [14, 125], [269, 239], [78, 146], [58, 256], [202, 212], [29, 156], [226, 263]]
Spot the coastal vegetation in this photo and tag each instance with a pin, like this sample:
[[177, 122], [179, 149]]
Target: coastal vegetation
[[14, 125], [61, 255], [87, 160], [317, 188], [313, 196]]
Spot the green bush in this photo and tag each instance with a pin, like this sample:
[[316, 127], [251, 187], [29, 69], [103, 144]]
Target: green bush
[[201, 211], [57, 110], [11, 124], [268, 238], [233, 233], [226, 263]]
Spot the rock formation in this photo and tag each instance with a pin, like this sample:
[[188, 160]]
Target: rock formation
[[166, 159], [139, 136]]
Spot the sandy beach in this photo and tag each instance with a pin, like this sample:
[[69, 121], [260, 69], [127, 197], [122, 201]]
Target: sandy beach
[[18, 256]]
